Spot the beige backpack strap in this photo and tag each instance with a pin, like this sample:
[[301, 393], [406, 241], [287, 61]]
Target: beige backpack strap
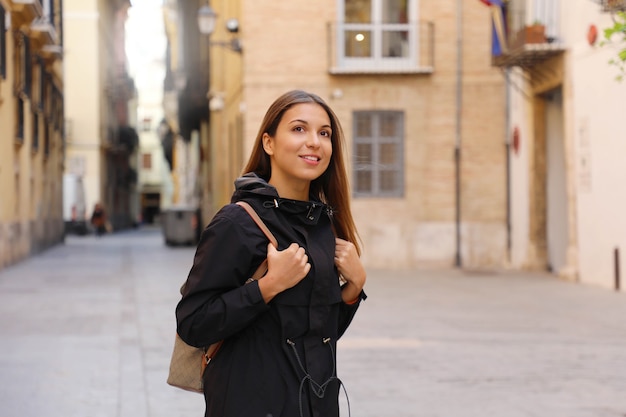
[[262, 269], [259, 222]]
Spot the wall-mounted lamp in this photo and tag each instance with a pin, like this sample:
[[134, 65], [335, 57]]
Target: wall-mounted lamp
[[216, 102], [206, 24]]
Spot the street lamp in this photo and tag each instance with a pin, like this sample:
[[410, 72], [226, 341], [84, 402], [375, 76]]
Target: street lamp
[[206, 24]]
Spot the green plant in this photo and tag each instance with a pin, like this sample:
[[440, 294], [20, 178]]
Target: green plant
[[619, 30]]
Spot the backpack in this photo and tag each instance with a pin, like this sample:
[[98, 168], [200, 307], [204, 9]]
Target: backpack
[[188, 363]]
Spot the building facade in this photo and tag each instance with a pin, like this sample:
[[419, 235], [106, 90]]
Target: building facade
[[101, 140], [565, 130], [421, 105], [186, 115], [31, 127]]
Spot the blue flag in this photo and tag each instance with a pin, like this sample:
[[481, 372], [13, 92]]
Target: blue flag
[[498, 33]]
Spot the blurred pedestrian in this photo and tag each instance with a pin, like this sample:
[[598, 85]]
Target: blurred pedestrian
[[99, 219], [278, 356]]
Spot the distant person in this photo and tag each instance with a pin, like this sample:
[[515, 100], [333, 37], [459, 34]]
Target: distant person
[[278, 356], [98, 219]]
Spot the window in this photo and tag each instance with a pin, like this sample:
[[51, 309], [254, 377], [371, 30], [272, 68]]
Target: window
[[59, 21], [37, 98], [41, 84], [47, 97], [23, 65], [19, 132], [146, 161], [35, 121], [46, 139], [26, 67], [3, 43], [378, 154], [23, 80], [49, 11], [377, 35], [58, 111], [146, 124]]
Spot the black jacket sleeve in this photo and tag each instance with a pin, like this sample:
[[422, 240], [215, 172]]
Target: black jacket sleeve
[[216, 302], [347, 312]]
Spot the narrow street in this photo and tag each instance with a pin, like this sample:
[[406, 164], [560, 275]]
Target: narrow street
[[86, 330]]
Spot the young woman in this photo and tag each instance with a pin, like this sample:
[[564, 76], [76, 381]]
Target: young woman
[[279, 333]]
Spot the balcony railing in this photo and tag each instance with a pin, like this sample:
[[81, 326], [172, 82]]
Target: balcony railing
[[371, 48], [527, 42], [45, 30]]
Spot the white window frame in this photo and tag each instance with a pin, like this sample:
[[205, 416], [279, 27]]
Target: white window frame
[[377, 62]]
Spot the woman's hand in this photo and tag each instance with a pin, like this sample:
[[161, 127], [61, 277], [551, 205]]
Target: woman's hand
[[350, 267], [285, 269]]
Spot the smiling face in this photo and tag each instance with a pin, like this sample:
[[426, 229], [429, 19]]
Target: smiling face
[[300, 151]]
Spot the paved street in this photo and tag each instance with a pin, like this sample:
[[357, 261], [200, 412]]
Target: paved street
[[86, 330]]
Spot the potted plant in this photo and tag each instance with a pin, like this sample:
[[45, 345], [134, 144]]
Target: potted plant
[[534, 33]]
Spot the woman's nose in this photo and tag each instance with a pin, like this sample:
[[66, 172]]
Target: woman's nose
[[313, 141]]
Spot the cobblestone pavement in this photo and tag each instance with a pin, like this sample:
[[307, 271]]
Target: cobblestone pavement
[[86, 330]]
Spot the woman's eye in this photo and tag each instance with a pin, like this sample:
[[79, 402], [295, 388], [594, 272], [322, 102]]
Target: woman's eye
[[298, 128], [325, 133]]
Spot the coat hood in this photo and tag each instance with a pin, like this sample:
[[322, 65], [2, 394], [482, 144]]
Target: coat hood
[[251, 186]]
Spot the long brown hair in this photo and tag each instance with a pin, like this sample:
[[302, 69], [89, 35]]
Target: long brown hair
[[332, 186]]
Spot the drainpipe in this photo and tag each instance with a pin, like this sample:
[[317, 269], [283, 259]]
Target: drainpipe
[[457, 147], [507, 142]]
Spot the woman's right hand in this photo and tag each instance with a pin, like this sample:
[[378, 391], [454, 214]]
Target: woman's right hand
[[285, 269]]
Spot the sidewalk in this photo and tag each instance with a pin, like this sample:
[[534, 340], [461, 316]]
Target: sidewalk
[[87, 328], [455, 344]]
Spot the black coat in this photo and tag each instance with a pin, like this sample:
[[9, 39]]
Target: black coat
[[277, 359]]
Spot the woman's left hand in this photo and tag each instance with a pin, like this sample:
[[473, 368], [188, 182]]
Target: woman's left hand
[[350, 267]]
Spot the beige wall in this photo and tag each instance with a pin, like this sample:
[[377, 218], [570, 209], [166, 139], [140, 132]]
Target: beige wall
[[285, 47], [599, 146], [82, 94], [591, 193]]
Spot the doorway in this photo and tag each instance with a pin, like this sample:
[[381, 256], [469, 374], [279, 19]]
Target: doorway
[[556, 183], [548, 199]]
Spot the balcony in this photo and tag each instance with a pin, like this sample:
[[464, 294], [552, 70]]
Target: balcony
[[525, 36], [43, 29], [377, 48], [528, 47], [28, 10]]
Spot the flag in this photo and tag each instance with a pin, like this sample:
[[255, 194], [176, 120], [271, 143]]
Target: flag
[[498, 32], [498, 3]]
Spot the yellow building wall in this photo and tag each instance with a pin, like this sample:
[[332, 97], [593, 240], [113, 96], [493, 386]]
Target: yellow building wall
[[30, 180], [226, 95], [83, 88]]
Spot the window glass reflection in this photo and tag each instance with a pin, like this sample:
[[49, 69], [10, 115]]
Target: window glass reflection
[[358, 43]]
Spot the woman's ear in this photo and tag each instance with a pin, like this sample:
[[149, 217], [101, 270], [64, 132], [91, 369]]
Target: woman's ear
[[268, 144]]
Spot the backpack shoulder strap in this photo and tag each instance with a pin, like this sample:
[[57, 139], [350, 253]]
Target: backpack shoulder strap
[[259, 222], [262, 269]]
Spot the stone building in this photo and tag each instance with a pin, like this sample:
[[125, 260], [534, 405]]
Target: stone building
[[422, 107], [101, 136], [31, 127]]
